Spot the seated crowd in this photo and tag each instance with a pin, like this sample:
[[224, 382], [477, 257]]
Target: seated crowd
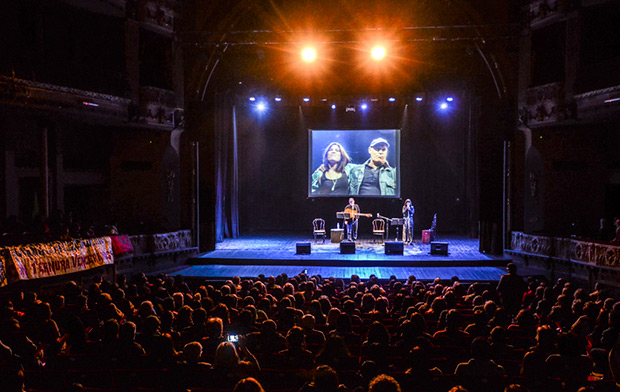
[[310, 334]]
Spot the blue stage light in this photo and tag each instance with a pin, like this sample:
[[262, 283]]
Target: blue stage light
[[449, 99], [333, 106], [306, 99], [443, 106], [261, 106], [392, 99], [277, 99], [364, 106], [252, 99], [419, 99]]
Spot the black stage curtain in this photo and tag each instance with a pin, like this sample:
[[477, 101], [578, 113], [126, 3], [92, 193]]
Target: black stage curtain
[[226, 170]]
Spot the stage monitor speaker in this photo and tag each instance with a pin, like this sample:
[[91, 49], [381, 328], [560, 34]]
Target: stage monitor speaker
[[347, 247], [439, 248], [394, 248], [303, 248]]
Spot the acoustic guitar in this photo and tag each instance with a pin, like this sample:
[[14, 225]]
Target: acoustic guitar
[[354, 214]]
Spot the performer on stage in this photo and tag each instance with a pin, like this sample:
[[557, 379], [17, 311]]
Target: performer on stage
[[350, 223], [408, 211]]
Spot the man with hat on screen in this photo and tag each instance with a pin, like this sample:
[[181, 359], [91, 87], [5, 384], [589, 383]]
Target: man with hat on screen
[[375, 177]]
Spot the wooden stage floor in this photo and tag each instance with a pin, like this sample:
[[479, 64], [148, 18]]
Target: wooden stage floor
[[273, 254]]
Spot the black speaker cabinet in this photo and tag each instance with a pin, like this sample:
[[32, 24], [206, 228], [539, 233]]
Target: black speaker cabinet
[[347, 247], [394, 248], [439, 248], [303, 248]]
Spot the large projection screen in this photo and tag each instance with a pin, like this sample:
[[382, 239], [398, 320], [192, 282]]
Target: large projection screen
[[354, 163]]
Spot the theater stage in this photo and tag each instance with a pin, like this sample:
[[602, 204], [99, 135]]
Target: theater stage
[[273, 254]]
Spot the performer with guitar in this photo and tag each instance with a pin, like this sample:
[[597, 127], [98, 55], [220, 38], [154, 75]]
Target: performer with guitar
[[351, 215]]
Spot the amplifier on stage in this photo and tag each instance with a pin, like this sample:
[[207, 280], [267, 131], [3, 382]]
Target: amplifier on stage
[[439, 248], [347, 248], [303, 248], [394, 248]]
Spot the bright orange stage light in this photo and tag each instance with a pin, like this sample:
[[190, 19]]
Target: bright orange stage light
[[378, 53], [308, 54]]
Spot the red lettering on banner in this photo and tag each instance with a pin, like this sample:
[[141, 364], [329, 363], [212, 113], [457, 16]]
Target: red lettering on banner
[[58, 258]]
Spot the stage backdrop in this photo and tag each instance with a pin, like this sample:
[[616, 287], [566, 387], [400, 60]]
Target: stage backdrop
[[274, 166]]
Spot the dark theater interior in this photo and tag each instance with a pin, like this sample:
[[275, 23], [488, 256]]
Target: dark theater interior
[[310, 196]]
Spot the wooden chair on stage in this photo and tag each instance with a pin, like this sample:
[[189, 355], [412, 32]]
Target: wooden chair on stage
[[318, 229], [378, 228]]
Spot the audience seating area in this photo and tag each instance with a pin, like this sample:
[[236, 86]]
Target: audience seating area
[[159, 334]]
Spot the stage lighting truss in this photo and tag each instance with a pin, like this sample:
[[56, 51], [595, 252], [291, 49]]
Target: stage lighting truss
[[363, 37], [444, 102], [351, 104], [312, 51]]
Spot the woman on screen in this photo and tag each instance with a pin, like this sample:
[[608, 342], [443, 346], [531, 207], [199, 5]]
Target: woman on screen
[[332, 177]]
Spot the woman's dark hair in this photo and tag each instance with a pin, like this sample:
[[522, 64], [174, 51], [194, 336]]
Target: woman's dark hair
[[334, 348], [344, 157]]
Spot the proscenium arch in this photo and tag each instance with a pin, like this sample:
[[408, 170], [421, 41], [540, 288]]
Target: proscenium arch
[[204, 69], [496, 59]]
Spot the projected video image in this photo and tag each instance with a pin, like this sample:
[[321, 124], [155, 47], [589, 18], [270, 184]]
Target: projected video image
[[354, 162]]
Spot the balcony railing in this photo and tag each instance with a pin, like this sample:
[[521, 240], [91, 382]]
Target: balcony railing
[[157, 107], [158, 14], [601, 103], [49, 97], [541, 11], [545, 105]]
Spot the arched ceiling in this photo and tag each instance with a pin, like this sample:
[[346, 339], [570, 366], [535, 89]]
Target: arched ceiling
[[258, 43]]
